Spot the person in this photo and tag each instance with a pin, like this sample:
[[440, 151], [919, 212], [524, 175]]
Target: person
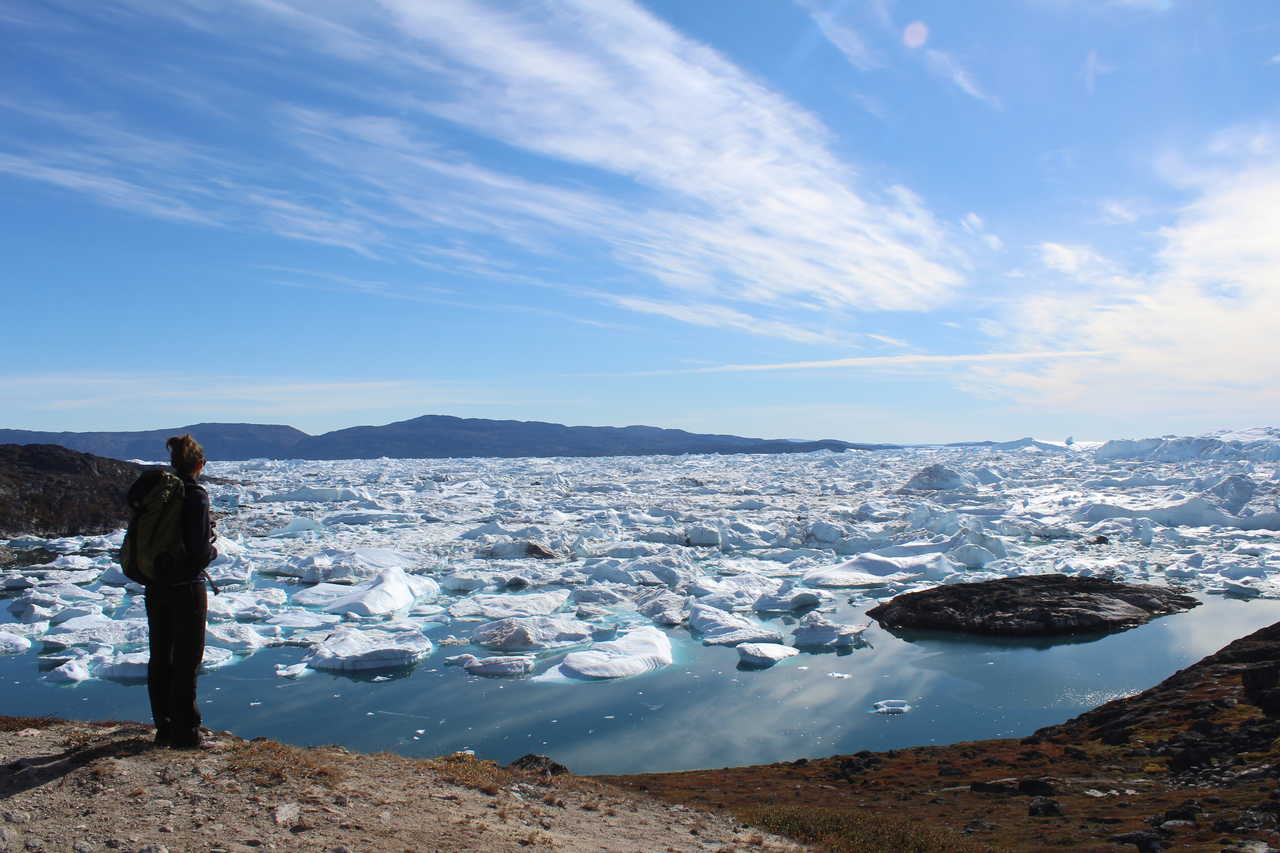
[[176, 611]]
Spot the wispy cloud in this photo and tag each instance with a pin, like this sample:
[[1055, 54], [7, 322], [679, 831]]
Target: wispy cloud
[[671, 168], [720, 316], [947, 67], [841, 34], [1092, 70], [914, 360], [1194, 333]]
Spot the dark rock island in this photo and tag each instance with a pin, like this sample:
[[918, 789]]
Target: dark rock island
[[1032, 606], [46, 490]]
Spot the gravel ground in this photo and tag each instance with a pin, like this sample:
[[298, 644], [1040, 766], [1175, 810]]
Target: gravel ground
[[92, 787]]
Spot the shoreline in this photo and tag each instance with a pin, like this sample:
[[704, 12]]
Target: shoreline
[[1192, 763]]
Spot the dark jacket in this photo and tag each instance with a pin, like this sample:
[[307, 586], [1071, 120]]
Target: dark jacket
[[197, 527]]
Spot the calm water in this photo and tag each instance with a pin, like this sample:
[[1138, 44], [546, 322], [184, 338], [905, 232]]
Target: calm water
[[701, 712]]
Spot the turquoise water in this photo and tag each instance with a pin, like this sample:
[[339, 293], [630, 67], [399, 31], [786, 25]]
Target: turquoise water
[[701, 712]]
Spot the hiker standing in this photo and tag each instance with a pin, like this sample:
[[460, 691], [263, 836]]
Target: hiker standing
[[177, 601]]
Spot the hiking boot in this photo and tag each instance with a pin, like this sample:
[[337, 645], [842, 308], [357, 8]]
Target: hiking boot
[[164, 737]]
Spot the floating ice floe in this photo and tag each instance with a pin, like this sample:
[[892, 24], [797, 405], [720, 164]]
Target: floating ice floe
[[788, 597], [875, 570], [891, 706], [392, 590], [71, 672], [96, 630], [815, 631], [764, 654], [721, 628], [636, 652], [531, 633], [497, 665], [321, 494], [491, 607], [13, 644], [352, 650]]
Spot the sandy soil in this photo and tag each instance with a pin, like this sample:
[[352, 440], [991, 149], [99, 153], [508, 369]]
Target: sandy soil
[[92, 787]]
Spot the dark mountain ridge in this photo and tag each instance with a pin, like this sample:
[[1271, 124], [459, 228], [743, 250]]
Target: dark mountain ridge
[[426, 437]]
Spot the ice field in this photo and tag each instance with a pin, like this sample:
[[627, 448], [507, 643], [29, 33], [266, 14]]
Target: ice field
[[606, 609]]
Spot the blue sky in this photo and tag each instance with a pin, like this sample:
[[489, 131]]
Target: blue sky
[[872, 220]]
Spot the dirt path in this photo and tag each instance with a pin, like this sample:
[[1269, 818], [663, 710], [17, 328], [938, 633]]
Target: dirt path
[[93, 787]]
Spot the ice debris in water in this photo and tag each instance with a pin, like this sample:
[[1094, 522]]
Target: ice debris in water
[[636, 652], [891, 706], [764, 654], [566, 560]]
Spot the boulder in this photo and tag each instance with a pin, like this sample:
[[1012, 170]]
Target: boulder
[[1030, 606]]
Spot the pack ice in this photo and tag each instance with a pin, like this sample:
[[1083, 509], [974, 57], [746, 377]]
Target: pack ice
[[583, 569]]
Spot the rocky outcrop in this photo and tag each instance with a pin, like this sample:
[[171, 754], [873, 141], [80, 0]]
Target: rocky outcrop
[[47, 490], [1032, 606]]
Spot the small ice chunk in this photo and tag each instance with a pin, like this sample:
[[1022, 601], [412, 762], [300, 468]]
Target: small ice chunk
[[125, 667], [71, 672], [13, 644], [297, 527], [663, 606], [292, 670], [497, 665], [215, 657], [764, 654], [891, 706], [703, 535], [235, 635]]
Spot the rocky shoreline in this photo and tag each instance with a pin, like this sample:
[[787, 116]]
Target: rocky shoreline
[[1190, 764]]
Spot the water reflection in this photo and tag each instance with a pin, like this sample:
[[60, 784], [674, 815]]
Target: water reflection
[[703, 711]]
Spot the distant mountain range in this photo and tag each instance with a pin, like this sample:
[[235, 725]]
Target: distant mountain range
[[427, 437]]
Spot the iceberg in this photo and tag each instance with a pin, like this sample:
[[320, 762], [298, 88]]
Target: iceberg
[[815, 631], [531, 633], [352, 650], [721, 628], [392, 590], [764, 654], [498, 665], [490, 607], [636, 652]]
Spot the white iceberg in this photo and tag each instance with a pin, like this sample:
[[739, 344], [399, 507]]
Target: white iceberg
[[392, 590], [764, 654], [636, 652], [497, 665], [721, 628], [531, 633], [815, 631], [13, 644], [492, 607], [350, 650]]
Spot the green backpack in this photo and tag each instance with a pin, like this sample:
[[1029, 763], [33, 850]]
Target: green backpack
[[153, 550]]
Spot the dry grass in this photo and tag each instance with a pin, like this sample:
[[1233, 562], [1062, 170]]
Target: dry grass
[[269, 763], [17, 724], [842, 830], [465, 769]]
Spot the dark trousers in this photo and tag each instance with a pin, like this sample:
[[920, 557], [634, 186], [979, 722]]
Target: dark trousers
[[175, 622]]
